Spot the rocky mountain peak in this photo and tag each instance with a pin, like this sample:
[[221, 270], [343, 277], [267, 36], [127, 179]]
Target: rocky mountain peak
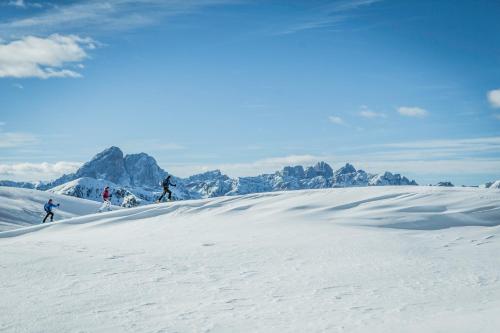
[[346, 169], [139, 170], [387, 178], [107, 165], [211, 175], [323, 169], [319, 169]]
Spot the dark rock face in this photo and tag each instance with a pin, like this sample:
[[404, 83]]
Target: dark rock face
[[143, 170], [296, 171]]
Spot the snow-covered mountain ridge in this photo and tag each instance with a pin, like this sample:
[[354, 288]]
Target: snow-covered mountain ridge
[[136, 178]]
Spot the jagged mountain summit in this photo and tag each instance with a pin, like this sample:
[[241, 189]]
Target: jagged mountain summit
[[136, 178]]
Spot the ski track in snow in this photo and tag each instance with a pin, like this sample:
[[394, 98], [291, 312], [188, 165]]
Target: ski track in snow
[[378, 259]]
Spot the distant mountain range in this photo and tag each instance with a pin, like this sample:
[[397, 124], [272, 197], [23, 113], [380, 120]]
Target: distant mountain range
[[135, 179]]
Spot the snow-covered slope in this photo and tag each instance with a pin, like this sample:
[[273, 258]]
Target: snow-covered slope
[[370, 259], [24, 207]]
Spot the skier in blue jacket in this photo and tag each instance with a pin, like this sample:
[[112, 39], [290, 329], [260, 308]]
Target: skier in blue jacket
[[48, 208]]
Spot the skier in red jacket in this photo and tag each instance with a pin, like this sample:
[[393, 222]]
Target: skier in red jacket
[[106, 197]]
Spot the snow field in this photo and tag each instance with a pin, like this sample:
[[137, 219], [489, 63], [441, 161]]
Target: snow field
[[378, 259]]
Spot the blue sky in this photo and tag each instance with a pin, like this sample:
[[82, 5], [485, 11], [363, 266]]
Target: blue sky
[[250, 86]]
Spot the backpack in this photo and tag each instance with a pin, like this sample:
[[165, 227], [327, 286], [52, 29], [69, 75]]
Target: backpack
[[165, 182]]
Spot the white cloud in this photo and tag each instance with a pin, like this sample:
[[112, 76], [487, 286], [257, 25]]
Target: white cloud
[[494, 98], [18, 86], [367, 113], [412, 111], [37, 171], [42, 57], [336, 120], [16, 139]]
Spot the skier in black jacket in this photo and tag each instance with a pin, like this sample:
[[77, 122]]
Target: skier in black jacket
[[166, 183]]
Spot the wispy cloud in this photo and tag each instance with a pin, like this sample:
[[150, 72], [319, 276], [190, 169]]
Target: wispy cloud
[[16, 139], [444, 168], [327, 15], [366, 112], [17, 3], [494, 98], [37, 171], [336, 120], [412, 111], [43, 57], [97, 16], [458, 145], [23, 4]]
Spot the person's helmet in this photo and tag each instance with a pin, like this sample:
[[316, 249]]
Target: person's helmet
[[107, 187], [50, 200]]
